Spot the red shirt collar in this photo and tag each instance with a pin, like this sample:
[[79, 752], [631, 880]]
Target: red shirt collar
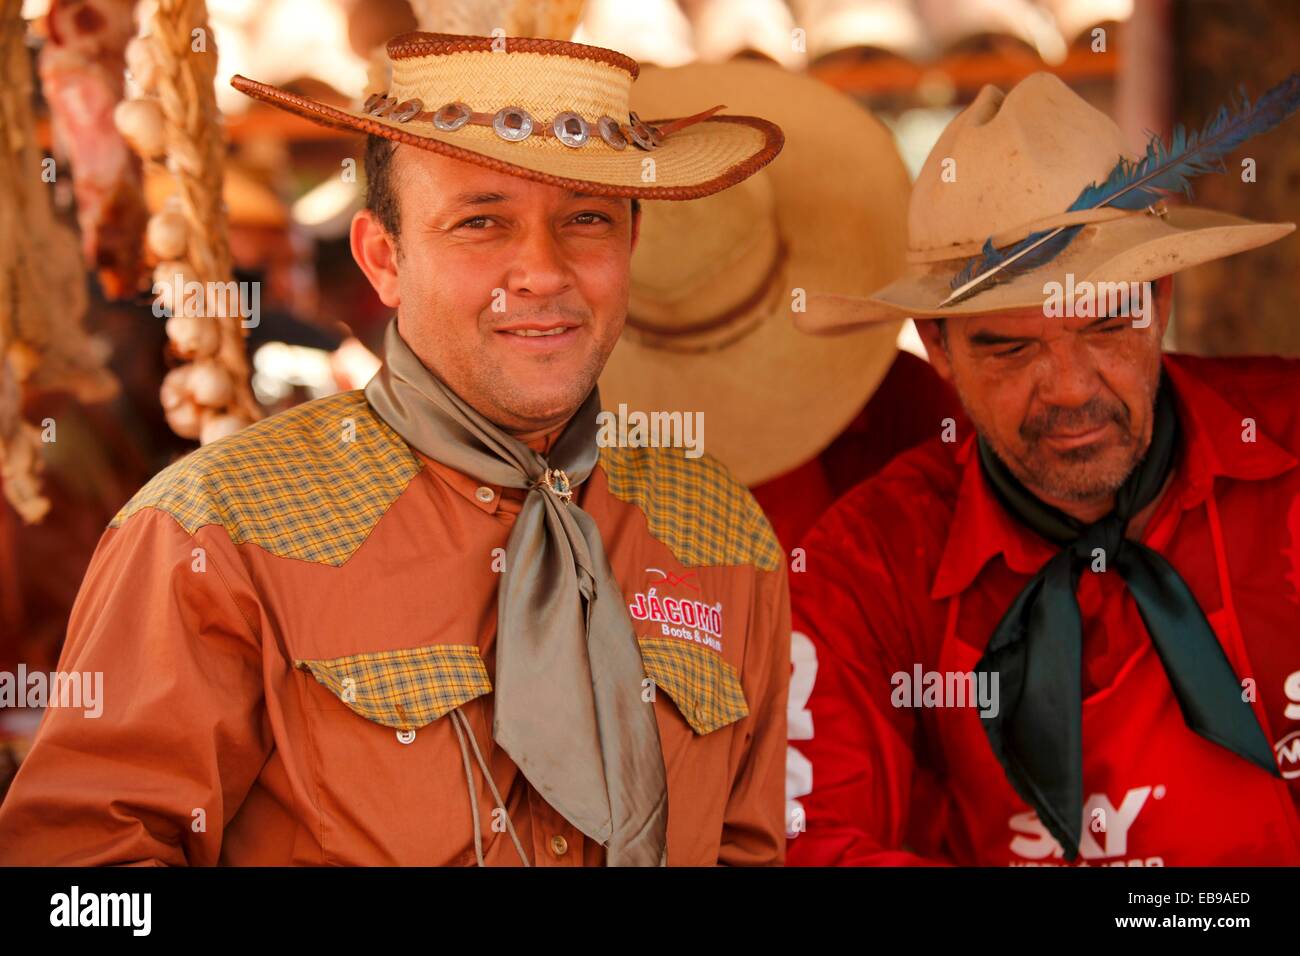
[[981, 528]]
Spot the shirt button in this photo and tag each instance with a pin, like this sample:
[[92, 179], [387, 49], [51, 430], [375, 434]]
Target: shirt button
[[484, 493], [405, 736], [559, 845]]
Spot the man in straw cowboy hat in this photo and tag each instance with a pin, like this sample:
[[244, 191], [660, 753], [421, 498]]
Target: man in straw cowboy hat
[[433, 622], [1064, 632], [798, 418]]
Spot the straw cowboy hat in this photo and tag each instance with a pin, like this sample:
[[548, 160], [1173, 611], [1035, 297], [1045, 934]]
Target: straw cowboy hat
[[714, 282], [1010, 165], [547, 110]]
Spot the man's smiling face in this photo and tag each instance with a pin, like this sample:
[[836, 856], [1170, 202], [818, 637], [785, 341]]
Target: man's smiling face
[[513, 292], [1066, 403]]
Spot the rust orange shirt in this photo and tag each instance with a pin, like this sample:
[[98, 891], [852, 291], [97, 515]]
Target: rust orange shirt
[[284, 620]]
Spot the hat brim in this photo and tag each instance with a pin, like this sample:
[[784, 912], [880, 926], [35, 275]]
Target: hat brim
[[770, 403], [775, 398], [701, 159], [1132, 249]]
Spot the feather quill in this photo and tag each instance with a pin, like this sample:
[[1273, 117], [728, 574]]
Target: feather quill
[[1135, 184]]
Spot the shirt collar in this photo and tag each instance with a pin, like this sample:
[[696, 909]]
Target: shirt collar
[[1211, 427], [486, 497], [1212, 435]]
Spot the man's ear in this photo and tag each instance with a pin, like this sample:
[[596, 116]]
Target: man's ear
[[376, 254], [935, 350]]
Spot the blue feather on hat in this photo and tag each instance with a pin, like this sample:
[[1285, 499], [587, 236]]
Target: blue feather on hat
[[1133, 185]]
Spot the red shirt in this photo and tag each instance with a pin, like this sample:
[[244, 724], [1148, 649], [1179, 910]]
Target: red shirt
[[914, 568]]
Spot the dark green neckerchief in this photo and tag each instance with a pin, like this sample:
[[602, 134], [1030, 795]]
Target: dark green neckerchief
[[1037, 648]]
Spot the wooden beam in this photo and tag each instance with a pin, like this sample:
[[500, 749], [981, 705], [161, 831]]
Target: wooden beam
[[877, 75]]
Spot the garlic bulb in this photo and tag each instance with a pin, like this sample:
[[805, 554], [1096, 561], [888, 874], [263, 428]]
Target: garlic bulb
[[184, 419], [141, 123], [210, 384], [175, 387], [142, 63], [216, 427], [193, 336], [169, 281], [166, 235]]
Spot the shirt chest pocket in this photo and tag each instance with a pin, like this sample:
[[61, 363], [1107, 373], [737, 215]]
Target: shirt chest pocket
[[404, 689], [382, 735], [704, 687]]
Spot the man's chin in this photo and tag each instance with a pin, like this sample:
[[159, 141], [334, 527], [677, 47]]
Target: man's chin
[[527, 410], [1083, 474], [1083, 454]]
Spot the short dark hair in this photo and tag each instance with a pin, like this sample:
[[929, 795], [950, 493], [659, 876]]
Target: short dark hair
[[381, 194]]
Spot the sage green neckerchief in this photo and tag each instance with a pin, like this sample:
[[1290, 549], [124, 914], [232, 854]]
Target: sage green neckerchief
[[1037, 648], [568, 695]]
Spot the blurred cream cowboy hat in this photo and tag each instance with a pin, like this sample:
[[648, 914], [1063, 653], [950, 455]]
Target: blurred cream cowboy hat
[[714, 282]]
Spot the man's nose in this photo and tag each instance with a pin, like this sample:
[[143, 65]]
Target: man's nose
[[1069, 376], [540, 269]]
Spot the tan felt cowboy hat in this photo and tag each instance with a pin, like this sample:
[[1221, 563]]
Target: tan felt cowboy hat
[[1010, 165], [714, 282], [546, 110]]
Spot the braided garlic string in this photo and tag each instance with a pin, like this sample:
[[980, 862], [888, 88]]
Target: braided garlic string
[[176, 118]]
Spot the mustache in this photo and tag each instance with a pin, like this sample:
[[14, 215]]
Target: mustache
[[1091, 414], [550, 312]]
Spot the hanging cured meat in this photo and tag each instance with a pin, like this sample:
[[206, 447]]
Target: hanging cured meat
[[82, 66]]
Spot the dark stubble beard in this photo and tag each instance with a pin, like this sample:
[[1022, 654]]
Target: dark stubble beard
[[517, 401], [1087, 473]]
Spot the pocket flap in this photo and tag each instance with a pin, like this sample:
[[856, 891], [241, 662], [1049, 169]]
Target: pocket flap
[[705, 688], [406, 688]]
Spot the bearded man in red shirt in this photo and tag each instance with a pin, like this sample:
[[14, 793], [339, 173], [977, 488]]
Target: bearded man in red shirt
[[1064, 631]]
